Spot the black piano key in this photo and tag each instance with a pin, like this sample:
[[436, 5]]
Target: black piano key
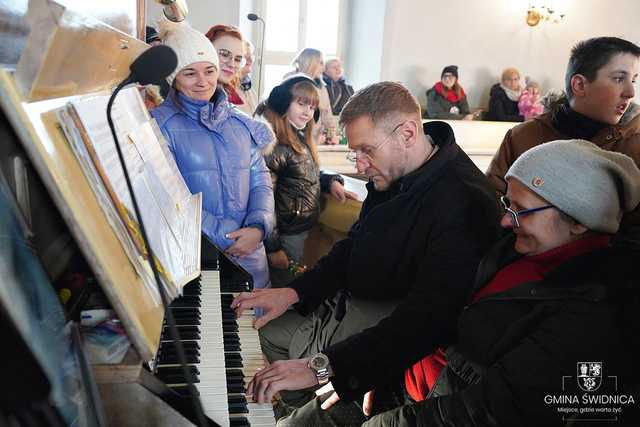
[[188, 322], [235, 388], [172, 359], [234, 373], [185, 332], [170, 346], [175, 375], [230, 328], [239, 422], [183, 390], [233, 363], [232, 347], [193, 301]]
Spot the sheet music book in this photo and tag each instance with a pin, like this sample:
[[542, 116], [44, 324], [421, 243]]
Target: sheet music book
[[168, 209]]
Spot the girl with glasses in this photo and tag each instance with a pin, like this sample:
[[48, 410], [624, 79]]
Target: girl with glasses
[[230, 46]]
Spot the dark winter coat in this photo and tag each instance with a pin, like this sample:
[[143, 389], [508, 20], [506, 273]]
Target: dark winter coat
[[438, 107], [298, 184], [418, 242], [517, 347], [501, 108], [339, 93]]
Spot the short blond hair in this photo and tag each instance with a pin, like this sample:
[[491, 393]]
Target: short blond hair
[[306, 59], [381, 102], [506, 73]]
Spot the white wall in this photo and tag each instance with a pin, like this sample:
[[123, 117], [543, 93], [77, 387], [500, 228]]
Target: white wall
[[483, 37], [364, 45]]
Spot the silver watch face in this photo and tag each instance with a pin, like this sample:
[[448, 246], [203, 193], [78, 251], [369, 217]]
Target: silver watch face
[[318, 362]]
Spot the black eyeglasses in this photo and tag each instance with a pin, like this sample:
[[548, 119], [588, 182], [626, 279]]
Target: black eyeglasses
[[367, 153], [506, 204], [227, 55]]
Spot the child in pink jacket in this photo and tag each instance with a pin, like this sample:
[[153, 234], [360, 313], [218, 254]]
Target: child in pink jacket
[[529, 103]]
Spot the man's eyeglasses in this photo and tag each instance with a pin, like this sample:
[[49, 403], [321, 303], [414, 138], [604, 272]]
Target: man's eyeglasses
[[506, 204], [366, 154], [227, 56]]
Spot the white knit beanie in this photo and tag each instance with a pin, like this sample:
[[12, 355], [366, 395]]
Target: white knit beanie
[[593, 186], [190, 45]]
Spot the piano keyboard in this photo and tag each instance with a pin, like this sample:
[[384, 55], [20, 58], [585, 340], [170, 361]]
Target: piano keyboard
[[223, 353]]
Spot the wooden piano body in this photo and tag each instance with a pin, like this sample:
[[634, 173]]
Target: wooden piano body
[[68, 56]]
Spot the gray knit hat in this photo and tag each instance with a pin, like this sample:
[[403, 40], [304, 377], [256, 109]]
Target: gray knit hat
[[593, 186]]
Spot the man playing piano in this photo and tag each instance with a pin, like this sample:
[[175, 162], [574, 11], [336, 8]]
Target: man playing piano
[[388, 293]]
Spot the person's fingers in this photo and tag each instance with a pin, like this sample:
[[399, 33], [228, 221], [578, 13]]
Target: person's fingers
[[351, 195], [234, 234], [367, 403], [331, 400], [240, 304], [266, 317], [242, 296], [261, 387], [275, 385]]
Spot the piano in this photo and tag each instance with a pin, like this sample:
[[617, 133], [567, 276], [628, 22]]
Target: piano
[[223, 351]]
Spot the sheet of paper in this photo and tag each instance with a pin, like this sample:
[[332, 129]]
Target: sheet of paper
[[150, 149]]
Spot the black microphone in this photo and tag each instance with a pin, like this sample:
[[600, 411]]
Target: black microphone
[[153, 65], [253, 17]]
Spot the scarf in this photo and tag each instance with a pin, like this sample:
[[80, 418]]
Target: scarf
[[233, 96], [451, 95], [574, 124], [513, 95]]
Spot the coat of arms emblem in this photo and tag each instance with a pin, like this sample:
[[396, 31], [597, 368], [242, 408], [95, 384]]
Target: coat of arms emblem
[[589, 375]]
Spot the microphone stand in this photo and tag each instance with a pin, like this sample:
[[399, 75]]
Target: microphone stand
[[264, 27], [165, 303]]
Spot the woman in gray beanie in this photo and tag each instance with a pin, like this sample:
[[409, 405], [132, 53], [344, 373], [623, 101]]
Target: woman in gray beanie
[[550, 299]]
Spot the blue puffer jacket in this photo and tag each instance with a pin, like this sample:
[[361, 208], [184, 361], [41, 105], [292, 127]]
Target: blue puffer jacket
[[218, 150]]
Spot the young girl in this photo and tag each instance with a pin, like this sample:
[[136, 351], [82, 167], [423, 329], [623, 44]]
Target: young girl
[[290, 109], [529, 103]]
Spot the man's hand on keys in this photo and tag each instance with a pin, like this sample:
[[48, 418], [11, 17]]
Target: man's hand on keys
[[274, 302]]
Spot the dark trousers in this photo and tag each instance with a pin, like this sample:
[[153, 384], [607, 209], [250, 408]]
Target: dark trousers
[[292, 336]]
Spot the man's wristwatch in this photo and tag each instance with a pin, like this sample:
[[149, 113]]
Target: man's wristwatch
[[319, 364]]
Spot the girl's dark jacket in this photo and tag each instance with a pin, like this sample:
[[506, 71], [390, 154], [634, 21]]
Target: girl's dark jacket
[[298, 183]]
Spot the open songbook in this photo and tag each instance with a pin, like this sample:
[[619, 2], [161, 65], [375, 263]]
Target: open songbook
[[171, 214]]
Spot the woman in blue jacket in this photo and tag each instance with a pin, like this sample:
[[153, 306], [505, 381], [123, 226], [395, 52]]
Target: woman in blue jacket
[[218, 150]]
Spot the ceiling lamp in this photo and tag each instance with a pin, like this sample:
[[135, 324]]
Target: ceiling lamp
[[539, 11]]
